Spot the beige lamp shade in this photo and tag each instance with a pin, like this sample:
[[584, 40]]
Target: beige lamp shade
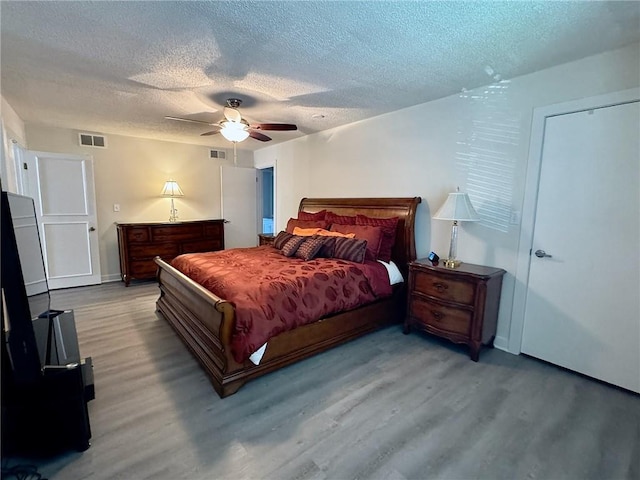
[[171, 189], [457, 207]]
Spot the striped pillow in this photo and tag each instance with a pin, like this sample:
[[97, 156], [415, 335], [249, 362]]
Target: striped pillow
[[373, 236], [350, 249], [281, 239], [328, 247]]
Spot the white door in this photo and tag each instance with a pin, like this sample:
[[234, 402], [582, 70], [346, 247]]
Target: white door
[[239, 206], [63, 189], [583, 302]]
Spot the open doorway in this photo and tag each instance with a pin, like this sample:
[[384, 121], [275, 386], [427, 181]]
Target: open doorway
[[266, 199]]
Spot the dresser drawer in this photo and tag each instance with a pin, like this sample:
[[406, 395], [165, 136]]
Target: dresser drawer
[[177, 233], [201, 246], [137, 252], [213, 230], [449, 319], [143, 268], [137, 234], [439, 286]]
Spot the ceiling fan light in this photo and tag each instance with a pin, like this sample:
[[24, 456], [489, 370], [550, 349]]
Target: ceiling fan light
[[234, 131]]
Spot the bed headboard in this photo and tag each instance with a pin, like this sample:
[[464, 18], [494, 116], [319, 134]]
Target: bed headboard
[[404, 250]]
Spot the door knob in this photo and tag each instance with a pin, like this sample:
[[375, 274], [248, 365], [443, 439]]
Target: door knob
[[92, 229], [542, 254]]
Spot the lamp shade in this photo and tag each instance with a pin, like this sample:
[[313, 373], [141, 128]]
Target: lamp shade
[[457, 207], [171, 189], [234, 131]]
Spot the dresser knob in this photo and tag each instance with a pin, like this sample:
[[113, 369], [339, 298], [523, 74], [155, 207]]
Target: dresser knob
[[441, 287], [437, 315]]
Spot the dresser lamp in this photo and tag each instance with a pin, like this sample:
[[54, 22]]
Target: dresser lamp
[[457, 208], [172, 189]]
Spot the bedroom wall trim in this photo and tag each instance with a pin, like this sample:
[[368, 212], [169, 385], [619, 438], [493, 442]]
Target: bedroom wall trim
[[540, 115]]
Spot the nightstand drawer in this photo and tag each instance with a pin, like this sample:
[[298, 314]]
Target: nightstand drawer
[[439, 286], [454, 320]]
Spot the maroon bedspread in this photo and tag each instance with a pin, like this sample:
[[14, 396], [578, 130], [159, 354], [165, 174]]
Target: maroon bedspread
[[272, 293]]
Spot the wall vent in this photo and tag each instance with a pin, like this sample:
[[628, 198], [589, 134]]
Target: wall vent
[[218, 154], [90, 140]]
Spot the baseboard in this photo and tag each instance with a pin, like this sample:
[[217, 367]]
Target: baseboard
[[114, 277], [502, 343]]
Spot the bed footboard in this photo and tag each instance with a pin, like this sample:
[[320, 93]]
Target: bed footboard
[[204, 322]]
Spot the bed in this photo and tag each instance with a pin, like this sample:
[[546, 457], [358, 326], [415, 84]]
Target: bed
[[205, 321]]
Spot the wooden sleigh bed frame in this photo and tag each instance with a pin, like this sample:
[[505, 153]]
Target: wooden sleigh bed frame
[[205, 321]]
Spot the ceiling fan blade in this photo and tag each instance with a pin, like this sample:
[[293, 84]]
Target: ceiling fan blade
[[212, 132], [232, 114], [259, 136], [189, 120], [274, 126]]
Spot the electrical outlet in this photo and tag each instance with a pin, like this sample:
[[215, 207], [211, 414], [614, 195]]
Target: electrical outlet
[[116, 207]]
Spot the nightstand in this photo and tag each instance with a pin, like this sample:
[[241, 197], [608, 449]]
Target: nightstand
[[459, 304], [266, 238]]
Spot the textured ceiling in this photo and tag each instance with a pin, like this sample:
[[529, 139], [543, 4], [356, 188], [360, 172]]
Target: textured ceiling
[[120, 67]]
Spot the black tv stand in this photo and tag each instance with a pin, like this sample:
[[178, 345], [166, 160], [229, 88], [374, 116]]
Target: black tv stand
[[51, 415]]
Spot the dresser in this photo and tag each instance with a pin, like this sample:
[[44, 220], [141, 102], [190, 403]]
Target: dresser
[[139, 243], [458, 304]]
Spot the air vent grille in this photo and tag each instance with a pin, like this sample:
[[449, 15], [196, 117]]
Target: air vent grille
[[218, 154], [90, 140]]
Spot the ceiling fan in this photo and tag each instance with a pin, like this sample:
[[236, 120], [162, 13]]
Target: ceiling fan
[[235, 128]]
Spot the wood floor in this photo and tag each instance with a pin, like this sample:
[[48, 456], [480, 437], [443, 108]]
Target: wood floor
[[404, 407]]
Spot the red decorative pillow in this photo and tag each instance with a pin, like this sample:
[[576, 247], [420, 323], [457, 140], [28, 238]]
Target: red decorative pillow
[[309, 248], [341, 219], [281, 239], [312, 216], [294, 222], [389, 227], [373, 236], [350, 249], [291, 246]]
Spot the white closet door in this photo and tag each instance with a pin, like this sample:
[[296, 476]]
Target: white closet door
[[583, 301], [239, 206]]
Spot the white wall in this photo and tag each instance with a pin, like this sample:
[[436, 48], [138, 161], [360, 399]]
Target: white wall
[[417, 152], [131, 172], [12, 131]]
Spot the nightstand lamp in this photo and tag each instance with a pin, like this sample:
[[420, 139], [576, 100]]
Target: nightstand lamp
[[457, 208], [172, 189]]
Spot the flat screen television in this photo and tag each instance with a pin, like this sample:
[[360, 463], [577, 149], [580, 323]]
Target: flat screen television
[[25, 276], [25, 227], [20, 348]]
